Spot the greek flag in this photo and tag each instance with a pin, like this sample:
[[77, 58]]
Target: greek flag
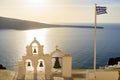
[[101, 10]]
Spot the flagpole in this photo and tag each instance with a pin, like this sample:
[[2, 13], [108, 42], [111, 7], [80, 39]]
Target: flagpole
[[95, 23]]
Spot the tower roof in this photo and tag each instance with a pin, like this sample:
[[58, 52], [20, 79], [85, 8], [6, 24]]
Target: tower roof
[[35, 41], [57, 51]]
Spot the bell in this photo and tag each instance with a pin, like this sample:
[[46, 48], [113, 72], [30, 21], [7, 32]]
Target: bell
[[57, 63], [28, 63], [34, 51], [41, 64]]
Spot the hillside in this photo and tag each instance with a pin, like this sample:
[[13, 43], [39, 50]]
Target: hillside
[[17, 24], [9, 23]]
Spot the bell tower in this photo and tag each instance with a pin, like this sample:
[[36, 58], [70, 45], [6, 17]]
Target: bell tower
[[36, 65], [34, 48]]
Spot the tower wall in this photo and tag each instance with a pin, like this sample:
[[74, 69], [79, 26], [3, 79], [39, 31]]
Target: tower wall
[[29, 50], [48, 67], [67, 66], [40, 50]]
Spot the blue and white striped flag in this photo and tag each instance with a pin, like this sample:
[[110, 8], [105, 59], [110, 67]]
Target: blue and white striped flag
[[101, 10]]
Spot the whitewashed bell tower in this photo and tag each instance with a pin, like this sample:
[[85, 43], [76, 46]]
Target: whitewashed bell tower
[[36, 65]]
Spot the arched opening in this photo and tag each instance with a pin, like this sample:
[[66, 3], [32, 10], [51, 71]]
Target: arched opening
[[35, 48], [29, 66], [41, 65], [56, 62]]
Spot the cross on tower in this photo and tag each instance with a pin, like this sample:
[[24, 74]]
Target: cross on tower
[[34, 38], [56, 46]]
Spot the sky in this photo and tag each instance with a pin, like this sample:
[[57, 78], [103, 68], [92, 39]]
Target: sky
[[60, 11]]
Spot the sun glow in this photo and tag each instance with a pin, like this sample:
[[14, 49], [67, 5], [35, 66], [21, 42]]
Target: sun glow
[[39, 34]]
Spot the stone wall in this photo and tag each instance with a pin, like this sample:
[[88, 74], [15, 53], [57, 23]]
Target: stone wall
[[102, 75]]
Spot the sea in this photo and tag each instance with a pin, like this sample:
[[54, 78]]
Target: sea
[[75, 41]]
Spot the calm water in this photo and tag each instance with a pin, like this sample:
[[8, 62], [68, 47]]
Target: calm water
[[76, 41]]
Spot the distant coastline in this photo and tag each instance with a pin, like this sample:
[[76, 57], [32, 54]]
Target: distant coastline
[[17, 24]]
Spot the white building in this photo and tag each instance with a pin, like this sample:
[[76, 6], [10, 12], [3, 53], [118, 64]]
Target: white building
[[113, 66]]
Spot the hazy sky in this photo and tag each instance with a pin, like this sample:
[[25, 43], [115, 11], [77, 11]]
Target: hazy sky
[[60, 11]]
